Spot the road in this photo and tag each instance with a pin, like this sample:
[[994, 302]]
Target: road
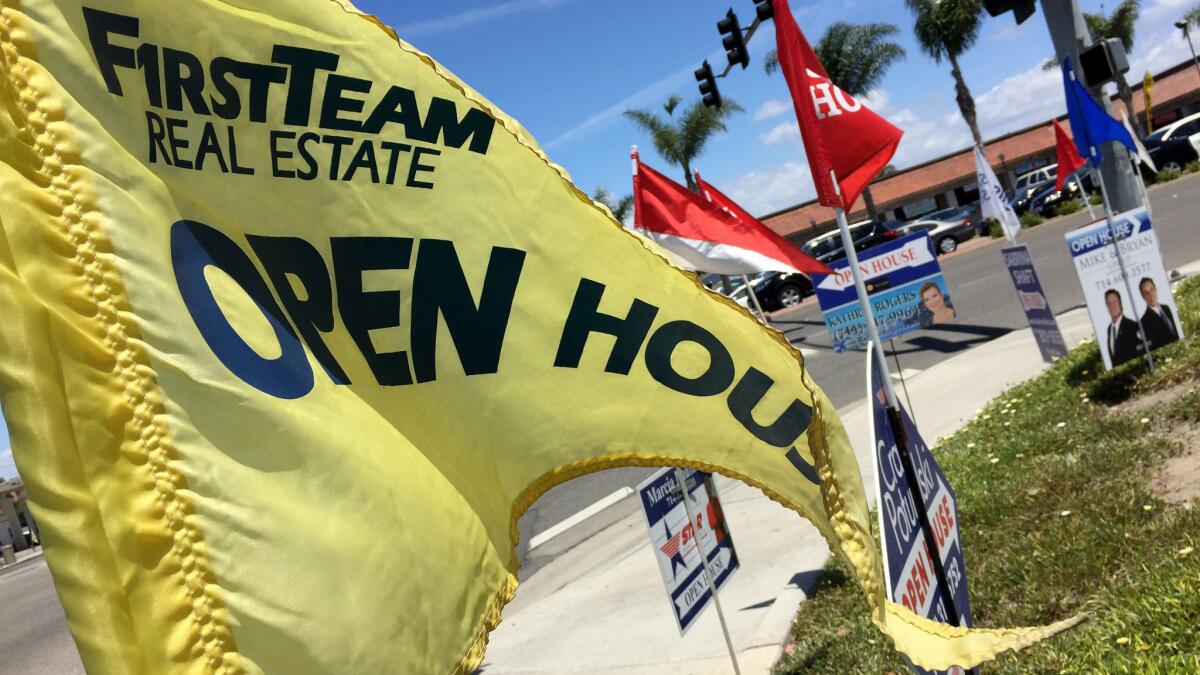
[[33, 629], [987, 308], [34, 638]]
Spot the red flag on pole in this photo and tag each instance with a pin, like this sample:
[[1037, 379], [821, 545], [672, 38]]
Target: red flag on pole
[[707, 237], [847, 144], [771, 244], [1069, 160]]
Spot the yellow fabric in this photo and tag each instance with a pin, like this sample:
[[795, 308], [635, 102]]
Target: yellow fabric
[[201, 518]]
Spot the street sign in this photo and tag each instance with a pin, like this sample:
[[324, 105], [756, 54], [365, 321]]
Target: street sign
[[909, 572], [1115, 316], [1033, 302], [677, 542], [905, 284]]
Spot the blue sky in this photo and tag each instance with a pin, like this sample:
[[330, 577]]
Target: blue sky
[[566, 69]]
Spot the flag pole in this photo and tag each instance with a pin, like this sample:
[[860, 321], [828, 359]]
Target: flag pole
[[762, 316], [708, 575], [1116, 241]]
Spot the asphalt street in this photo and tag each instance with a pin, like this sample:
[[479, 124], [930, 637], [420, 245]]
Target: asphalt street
[[987, 307], [33, 633]]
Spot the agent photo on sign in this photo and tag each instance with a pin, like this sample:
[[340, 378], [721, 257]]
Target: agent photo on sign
[[1121, 339], [935, 305], [1158, 322]]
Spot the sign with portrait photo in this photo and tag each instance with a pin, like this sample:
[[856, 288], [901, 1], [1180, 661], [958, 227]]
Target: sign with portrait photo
[[1117, 317], [905, 284]]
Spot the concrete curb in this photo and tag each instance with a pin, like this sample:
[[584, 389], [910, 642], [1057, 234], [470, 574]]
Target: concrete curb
[[22, 560]]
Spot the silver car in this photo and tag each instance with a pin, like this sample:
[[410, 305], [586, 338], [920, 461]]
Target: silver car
[[946, 234]]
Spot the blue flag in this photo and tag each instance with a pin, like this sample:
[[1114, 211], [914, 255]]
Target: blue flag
[[1090, 125]]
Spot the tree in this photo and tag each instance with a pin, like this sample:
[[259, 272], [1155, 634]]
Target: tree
[[945, 29], [620, 208], [855, 57], [1120, 25], [681, 140]]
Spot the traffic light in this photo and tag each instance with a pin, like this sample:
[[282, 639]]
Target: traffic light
[[735, 42], [1103, 61], [764, 9], [708, 85], [1021, 9]]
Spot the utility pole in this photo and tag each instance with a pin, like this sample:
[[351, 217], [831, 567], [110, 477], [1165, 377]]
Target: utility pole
[[1070, 35]]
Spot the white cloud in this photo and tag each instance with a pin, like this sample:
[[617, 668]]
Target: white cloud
[[786, 132], [474, 16], [1165, 10], [772, 108], [767, 190], [8, 468], [654, 93]]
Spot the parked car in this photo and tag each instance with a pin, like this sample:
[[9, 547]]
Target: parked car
[[1047, 201], [828, 247], [1031, 178], [971, 212], [1023, 196], [1174, 145], [946, 234], [776, 290]]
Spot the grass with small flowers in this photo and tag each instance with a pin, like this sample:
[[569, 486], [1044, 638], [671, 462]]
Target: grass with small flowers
[[1057, 518]]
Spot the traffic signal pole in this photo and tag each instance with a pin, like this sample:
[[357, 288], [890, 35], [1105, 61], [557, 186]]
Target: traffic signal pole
[[1070, 35]]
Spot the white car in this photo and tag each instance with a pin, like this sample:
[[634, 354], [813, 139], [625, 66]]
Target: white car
[[1036, 176]]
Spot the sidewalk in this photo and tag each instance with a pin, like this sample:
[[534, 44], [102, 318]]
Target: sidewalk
[[23, 557], [601, 607]]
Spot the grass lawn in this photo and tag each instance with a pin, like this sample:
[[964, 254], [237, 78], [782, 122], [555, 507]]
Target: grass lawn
[[1063, 510]]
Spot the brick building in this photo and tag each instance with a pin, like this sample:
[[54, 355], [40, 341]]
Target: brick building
[[949, 180]]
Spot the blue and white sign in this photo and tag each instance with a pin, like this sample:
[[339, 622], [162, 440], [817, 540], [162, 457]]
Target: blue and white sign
[[1116, 316], [905, 286], [678, 543], [1034, 303], [907, 560]]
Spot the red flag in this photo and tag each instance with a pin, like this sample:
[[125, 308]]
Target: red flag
[[772, 244], [705, 236], [847, 144], [1069, 160]]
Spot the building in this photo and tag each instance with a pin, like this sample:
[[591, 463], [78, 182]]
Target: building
[[949, 180], [17, 527]]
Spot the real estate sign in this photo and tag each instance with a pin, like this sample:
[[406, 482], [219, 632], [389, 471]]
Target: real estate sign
[[681, 544], [1033, 302], [1116, 316], [906, 288]]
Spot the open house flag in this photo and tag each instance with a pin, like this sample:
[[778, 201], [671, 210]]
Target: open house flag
[[1090, 124], [297, 324], [846, 143]]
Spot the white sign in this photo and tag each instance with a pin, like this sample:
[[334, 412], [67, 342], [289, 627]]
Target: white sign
[[1116, 317], [991, 198], [678, 542]]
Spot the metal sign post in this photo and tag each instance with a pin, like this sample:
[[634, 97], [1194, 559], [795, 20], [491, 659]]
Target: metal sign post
[[708, 575]]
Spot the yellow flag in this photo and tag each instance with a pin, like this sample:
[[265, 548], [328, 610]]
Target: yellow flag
[[296, 325]]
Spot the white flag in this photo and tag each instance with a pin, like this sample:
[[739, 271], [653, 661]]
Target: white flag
[[1141, 149], [992, 200]]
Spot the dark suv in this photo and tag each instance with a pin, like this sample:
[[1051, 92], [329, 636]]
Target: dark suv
[[828, 247], [1171, 146]]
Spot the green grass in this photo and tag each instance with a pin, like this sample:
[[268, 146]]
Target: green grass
[[1166, 175], [1068, 207], [1191, 167], [1031, 219], [1056, 519]]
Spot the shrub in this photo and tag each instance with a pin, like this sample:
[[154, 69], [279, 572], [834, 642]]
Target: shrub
[[1068, 207], [1192, 166], [994, 230], [1095, 200], [1029, 219], [1166, 175]]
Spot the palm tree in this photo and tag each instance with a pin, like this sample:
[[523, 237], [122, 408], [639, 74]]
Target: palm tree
[[1193, 16], [620, 207], [681, 140], [855, 57], [1118, 25], [945, 29]]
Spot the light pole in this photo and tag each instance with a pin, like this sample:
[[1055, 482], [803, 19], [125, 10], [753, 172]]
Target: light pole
[[1183, 26]]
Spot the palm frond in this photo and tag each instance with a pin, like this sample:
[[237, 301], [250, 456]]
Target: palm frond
[[664, 136]]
